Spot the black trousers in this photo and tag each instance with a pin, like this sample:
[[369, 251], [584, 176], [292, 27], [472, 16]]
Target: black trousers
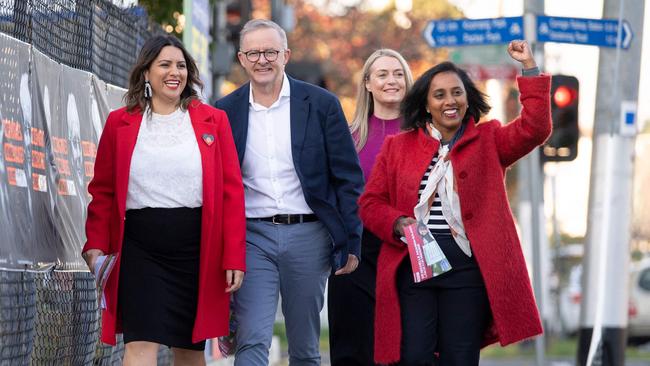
[[351, 309], [444, 318]]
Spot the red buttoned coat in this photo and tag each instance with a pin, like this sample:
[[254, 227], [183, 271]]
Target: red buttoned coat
[[479, 160], [223, 223]]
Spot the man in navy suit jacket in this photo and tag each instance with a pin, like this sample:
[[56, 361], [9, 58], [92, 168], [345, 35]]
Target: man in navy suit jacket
[[302, 180]]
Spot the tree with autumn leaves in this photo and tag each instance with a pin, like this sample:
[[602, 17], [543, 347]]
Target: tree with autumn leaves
[[340, 43]]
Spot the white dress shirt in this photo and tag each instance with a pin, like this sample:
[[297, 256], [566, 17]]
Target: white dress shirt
[[271, 185], [166, 164]]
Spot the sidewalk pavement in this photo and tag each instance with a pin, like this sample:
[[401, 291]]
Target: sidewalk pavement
[[275, 357], [484, 362]]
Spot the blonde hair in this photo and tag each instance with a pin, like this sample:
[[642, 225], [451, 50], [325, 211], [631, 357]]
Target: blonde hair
[[365, 102]]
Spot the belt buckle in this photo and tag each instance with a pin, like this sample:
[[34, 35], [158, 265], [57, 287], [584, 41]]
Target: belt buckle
[[273, 220]]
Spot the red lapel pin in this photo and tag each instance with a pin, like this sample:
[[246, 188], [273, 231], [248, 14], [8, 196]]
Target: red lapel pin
[[209, 139]]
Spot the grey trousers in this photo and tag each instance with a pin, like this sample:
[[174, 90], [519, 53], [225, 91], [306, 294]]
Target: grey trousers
[[291, 260]]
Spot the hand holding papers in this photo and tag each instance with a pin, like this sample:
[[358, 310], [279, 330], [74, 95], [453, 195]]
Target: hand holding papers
[[427, 259], [103, 266], [227, 344]]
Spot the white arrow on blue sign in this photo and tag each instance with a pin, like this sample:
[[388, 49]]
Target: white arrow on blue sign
[[595, 32], [472, 32]]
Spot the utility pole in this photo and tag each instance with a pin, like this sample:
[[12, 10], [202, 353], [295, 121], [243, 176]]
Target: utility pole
[[283, 15], [222, 51], [276, 11], [603, 318], [531, 182]]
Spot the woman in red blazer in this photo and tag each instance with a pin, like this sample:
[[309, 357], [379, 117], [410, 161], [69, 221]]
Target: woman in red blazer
[[448, 171], [168, 199]]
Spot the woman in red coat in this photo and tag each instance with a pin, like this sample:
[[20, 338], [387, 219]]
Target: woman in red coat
[[168, 199], [448, 172]]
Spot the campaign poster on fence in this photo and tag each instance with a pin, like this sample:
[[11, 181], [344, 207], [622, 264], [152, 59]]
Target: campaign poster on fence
[[114, 97], [51, 119], [46, 76], [74, 150], [15, 159], [108, 98]]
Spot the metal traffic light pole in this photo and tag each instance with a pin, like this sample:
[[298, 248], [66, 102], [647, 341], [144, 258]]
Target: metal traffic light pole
[[219, 40], [531, 180], [603, 318]]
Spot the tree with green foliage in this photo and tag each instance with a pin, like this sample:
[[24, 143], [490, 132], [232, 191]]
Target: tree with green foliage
[[162, 11]]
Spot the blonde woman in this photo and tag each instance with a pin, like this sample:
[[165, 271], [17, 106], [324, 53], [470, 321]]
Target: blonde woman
[[351, 299]]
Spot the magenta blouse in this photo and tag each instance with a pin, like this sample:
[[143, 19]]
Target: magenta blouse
[[378, 129]]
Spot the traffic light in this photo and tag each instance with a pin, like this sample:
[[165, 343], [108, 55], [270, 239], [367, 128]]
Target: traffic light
[[237, 14], [563, 143], [224, 51]]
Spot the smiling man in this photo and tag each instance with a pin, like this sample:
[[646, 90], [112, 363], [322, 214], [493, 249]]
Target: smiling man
[[302, 179]]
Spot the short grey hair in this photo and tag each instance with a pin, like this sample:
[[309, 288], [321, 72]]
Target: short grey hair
[[256, 24]]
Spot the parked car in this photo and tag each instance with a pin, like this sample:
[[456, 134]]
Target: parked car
[[638, 328], [570, 298]]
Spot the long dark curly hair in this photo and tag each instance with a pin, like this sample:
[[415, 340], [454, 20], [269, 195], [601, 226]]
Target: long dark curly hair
[[414, 105], [134, 97]]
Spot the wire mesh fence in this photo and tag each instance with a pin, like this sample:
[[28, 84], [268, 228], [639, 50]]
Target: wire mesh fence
[[51, 317], [17, 317], [66, 326], [90, 35]]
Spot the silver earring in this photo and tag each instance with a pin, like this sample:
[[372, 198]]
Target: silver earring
[[147, 90]]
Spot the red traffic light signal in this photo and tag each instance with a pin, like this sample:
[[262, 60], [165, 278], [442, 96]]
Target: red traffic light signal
[[563, 143], [563, 96]]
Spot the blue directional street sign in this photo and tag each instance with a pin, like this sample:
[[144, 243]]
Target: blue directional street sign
[[595, 32], [472, 32]]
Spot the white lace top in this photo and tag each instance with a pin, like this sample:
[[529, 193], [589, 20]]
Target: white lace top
[[166, 164]]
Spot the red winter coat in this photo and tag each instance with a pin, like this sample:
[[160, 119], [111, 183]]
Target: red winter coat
[[479, 159], [223, 223]]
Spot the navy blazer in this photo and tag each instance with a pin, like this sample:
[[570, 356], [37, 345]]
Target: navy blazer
[[323, 154]]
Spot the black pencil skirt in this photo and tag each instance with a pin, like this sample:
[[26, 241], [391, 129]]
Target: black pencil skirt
[[159, 276]]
